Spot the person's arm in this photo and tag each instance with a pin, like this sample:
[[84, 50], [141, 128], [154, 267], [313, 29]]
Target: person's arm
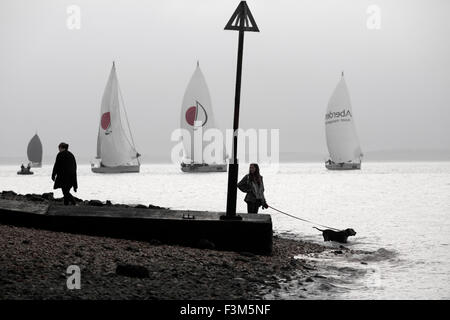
[[243, 185], [264, 202], [75, 182], [56, 167]]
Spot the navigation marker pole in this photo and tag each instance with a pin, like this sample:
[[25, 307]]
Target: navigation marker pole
[[241, 20]]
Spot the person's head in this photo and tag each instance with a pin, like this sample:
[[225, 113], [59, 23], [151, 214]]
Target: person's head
[[254, 168], [254, 171], [63, 146]]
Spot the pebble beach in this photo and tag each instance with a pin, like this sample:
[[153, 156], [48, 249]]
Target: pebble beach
[[34, 264]]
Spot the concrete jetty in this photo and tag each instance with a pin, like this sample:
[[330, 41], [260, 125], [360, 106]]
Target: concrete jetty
[[184, 227]]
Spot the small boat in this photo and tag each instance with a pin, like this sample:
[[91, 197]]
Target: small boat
[[34, 152], [342, 141], [26, 172], [197, 114], [116, 152]]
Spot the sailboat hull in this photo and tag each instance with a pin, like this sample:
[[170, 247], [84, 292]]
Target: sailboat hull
[[343, 166], [36, 164], [118, 169], [203, 167]]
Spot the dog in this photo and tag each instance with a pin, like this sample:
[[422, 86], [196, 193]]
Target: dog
[[338, 236]]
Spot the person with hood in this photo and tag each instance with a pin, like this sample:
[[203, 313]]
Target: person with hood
[[65, 173]]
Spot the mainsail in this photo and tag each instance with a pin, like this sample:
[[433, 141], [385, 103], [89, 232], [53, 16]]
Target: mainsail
[[196, 114], [114, 147], [34, 150], [342, 141]]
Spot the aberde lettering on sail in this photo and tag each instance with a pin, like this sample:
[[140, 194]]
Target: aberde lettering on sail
[[333, 115]]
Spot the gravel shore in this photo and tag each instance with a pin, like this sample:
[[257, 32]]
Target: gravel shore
[[33, 265]]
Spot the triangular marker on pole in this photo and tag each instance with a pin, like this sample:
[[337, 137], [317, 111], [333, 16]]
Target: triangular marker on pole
[[242, 19]]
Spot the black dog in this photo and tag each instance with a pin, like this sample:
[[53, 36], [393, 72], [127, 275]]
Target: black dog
[[338, 236]]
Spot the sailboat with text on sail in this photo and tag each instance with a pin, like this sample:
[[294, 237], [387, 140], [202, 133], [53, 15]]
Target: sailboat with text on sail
[[197, 117], [342, 141], [116, 152]]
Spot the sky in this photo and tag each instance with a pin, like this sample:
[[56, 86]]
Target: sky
[[52, 77]]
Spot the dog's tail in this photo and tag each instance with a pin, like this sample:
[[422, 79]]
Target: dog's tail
[[318, 229]]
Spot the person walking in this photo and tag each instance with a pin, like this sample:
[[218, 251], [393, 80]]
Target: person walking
[[252, 184], [65, 173]]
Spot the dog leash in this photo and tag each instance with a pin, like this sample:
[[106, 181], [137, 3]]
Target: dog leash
[[290, 215]]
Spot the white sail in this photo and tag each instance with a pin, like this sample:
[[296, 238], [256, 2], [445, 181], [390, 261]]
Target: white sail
[[34, 150], [342, 141], [196, 114], [113, 145]]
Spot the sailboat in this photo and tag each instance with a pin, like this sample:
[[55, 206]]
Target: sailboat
[[342, 141], [196, 114], [34, 152], [116, 152]]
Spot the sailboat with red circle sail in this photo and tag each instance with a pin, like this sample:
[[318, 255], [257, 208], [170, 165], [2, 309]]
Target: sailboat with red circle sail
[[116, 151], [196, 118]]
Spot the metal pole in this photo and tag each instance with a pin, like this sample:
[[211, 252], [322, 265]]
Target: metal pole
[[234, 165]]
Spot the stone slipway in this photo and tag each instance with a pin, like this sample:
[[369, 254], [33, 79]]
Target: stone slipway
[[192, 228]]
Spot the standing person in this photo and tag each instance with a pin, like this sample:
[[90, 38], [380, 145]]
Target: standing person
[[65, 173], [253, 185]]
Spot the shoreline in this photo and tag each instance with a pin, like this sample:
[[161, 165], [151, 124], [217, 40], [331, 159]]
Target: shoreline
[[34, 263]]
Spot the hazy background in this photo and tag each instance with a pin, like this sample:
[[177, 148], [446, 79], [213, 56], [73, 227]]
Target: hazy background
[[52, 78]]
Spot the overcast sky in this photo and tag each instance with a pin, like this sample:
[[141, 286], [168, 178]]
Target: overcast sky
[[52, 78]]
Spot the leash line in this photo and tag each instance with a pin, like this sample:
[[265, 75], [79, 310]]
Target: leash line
[[290, 215]]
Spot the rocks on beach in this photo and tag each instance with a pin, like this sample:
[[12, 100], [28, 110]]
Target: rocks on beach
[[34, 263], [49, 197], [132, 270], [34, 266]]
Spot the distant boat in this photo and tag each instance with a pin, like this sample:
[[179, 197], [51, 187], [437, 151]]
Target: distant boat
[[116, 152], [34, 152], [342, 141], [196, 113], [25, 170]]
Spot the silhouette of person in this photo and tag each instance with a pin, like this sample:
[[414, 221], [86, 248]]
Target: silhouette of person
[[65, 173]]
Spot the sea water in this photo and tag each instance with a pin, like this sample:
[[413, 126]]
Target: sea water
[[400, 212]]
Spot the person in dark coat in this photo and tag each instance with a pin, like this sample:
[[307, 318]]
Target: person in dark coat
[[65, 173], [253, 185]]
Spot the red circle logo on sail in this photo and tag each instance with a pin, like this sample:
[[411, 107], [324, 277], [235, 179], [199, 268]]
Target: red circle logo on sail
[[196, 113], [106, 120], [190, 115]]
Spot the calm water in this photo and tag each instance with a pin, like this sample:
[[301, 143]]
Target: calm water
[[400, 211]]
